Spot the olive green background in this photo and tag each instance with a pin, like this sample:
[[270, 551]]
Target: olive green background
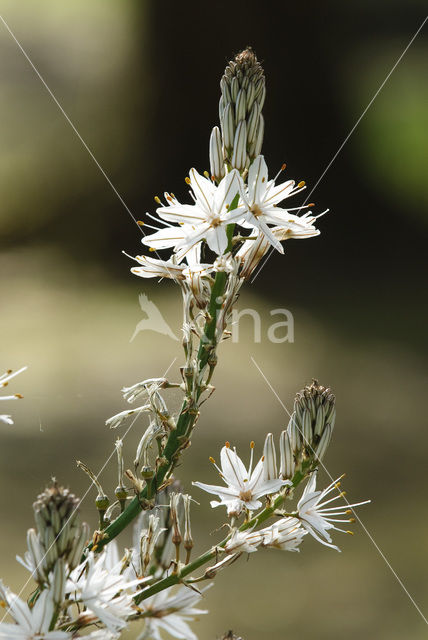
[[140, 82]]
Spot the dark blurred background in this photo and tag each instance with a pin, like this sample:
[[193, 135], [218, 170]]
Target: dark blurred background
[[140, 82]]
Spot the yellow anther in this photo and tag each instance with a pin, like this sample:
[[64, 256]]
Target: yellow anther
[[351, 520], [211, 459], [3, 604], [263, 179], [152, 249], [263, 458], [140, 223], [283, 167], [9, 371], [342, 494], [252, 444], [348, 512], [227, 444], [351, 533], [18, 395], [206, 174], [172, 195], [301, 184], [169, 198], [4, 384], [187, 180], [311, 204], [158, 200]]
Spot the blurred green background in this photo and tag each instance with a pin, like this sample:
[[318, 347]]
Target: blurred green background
[[139, 79]]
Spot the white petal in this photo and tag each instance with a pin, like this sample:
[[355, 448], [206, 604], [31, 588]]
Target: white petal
[[217, 239], [257, 179], [233, 468]]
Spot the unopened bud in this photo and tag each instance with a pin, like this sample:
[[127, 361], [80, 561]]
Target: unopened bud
[[216, 155], [239, 155], [287, 465]]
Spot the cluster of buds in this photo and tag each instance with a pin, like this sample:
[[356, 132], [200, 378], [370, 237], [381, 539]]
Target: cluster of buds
[[58, 534], [243, 94], [310, 428]]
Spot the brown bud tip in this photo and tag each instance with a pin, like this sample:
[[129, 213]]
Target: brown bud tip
[[246, 58]]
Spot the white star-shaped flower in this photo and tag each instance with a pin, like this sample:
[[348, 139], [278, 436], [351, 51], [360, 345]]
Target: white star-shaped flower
[[244, 487], [317, 518], [261, 201], [171, 613], [30, 624], [103, 590], [207, 218]]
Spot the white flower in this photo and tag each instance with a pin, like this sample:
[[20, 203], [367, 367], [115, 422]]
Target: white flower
[[4, 381], [244, 488], [286, 534], [30, 624], [102, 589], [244, 542], [154, 268], [317, 518], [207, 218], [261, 201], [171, 613]]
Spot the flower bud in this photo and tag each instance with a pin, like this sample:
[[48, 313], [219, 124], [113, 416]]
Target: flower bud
[[313, 419], [216, 155], [59, 537], [243, 95]]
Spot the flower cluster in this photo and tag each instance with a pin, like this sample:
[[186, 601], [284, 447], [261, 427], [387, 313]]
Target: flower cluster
[[245, 488]]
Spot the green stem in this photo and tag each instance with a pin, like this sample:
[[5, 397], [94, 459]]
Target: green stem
[[179, 437]]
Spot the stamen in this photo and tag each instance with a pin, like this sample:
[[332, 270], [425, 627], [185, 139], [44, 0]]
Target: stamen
[[187, 180], [252, 445], [301, 184], [227, 444], [167, 224], [158, 200]]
